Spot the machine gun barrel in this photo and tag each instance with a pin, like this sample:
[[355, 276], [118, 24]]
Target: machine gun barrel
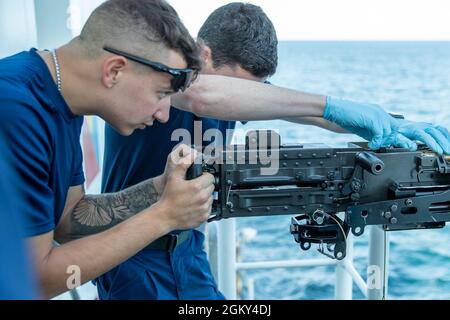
[[370, 162]]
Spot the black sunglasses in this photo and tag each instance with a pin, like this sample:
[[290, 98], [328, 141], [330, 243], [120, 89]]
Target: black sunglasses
[[182, 78]]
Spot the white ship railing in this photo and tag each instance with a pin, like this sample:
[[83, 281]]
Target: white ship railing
[[221, 248]]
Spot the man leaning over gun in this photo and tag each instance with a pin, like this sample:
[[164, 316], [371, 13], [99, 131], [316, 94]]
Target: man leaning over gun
[[238, 40]]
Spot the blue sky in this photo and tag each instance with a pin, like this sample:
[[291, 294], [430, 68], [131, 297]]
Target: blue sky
[[340, 19]]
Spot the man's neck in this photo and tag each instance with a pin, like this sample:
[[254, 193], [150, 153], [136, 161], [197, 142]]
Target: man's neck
[[72, 83]]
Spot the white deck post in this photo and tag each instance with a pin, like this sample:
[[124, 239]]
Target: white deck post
[[227, 258], [378, 264], [344, 281]]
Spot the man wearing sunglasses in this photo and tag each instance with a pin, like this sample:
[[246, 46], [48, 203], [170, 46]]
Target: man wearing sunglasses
[[238, 40], [175, 266], [43, 96], [181, 79]]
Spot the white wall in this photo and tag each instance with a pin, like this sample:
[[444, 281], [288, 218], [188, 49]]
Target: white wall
[[43, 24], [17, 26], [80, 11], [52, 23]]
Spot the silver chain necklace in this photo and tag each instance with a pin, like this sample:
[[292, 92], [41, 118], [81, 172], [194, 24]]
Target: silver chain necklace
[[57, 69]]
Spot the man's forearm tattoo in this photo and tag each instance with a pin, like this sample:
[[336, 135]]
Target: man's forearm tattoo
[[98, 213]]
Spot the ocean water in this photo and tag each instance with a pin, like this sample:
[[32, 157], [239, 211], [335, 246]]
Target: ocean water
[[408, 78]]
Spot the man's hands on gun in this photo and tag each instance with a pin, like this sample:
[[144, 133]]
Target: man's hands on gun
[[186, 204], [372, 123]]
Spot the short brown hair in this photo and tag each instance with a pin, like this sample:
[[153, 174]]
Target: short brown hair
[[140, 27], [241, 34]]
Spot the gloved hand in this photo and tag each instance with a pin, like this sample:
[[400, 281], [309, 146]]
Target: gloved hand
[[368, 121], [372, 123], [435, 137]]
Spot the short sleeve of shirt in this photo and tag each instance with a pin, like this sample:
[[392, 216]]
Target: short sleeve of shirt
[[78, 177], [28, 143]]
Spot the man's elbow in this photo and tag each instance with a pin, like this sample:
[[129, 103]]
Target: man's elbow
[[202, 98], [192, 100], [50, 276], [51, 283]]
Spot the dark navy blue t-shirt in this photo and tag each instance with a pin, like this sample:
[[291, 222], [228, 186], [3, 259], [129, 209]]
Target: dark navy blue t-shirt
[[131, 160], [43, 136], [16, 282]]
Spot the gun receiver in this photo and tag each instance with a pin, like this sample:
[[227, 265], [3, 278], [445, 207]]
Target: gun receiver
[[332, 191]]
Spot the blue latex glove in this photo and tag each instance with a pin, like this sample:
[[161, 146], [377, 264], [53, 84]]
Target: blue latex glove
[[435, 137], [400, 141], [368, 121], [372, 123]]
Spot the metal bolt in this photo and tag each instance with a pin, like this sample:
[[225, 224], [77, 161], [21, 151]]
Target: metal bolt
[[387, 214], [250, 210], [356, 186], [393, 220], [268, 209], [319, 220], [286, 208], [318, 217], [394, 208], [409, 202]]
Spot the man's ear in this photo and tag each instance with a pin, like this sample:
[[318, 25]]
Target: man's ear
[[113, 68], [206, 55]]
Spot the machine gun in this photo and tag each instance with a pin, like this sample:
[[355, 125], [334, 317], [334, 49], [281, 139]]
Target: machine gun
[[331, 191]]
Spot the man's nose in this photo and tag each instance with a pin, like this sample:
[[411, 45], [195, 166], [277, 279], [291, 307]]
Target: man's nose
[[163, 113]]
